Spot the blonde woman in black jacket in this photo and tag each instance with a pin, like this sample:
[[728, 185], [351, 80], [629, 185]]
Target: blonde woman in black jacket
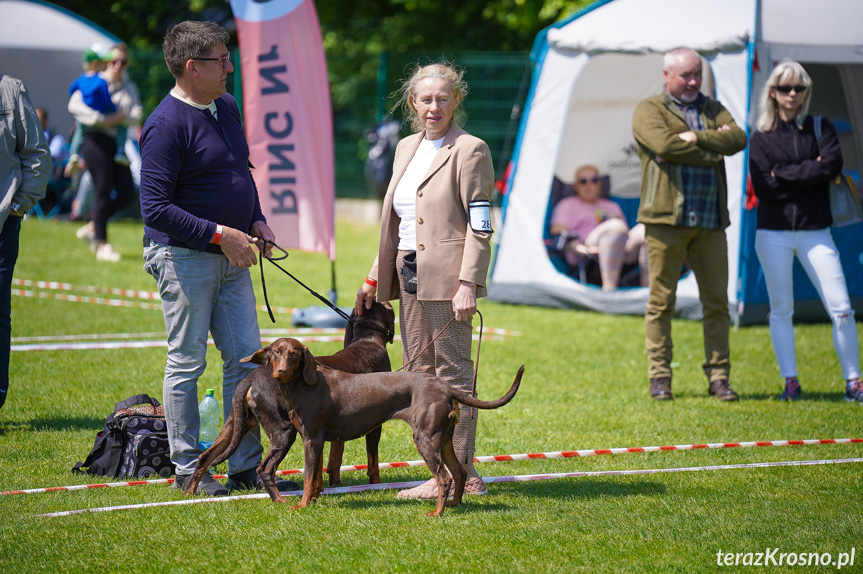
[[791, 172]]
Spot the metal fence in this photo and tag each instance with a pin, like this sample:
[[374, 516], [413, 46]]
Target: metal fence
[[498, 84]]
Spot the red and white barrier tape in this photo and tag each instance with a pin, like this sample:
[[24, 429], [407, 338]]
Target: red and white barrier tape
[[496, 458], [57, 286], [517, 478]]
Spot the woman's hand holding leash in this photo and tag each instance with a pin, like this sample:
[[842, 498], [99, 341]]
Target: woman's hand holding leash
[[464, 302], [365, 297]]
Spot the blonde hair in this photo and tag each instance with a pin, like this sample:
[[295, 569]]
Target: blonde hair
[[787, 71], [453, 75]]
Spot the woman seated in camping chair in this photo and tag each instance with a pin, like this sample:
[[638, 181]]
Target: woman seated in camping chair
[[586, 226]]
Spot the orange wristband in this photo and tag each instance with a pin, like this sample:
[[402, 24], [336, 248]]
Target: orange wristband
[[217, 237], [371, 282]]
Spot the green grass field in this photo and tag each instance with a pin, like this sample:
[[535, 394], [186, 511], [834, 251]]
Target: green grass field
[[584, 387]]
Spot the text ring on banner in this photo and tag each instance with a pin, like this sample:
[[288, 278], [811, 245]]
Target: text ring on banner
[[288, 118]]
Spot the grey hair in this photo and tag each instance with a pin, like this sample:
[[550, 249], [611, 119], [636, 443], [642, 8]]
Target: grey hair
[[673, 56], [786, 71], [188, 40], [452, 74]]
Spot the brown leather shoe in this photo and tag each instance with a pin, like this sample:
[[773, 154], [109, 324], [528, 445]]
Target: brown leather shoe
[[660, 389], [722, 391]]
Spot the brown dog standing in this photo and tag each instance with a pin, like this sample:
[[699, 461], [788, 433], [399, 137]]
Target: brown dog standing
[[327, 405], [365, 352]]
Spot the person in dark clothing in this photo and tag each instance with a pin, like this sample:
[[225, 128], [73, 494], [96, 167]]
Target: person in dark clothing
[[791, 172], [202, 221]]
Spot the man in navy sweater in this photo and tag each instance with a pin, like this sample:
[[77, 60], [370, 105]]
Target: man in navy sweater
[[202, 221]]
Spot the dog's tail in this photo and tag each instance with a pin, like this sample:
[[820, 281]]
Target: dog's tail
[[470, 401], [238, 420]]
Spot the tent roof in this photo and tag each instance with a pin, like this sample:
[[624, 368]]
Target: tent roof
[[639, 26], [33, 25]]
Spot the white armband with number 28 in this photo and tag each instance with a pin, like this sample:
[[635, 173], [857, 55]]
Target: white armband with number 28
[[479, 213]]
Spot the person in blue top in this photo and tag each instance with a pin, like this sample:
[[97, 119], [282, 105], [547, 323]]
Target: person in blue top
[[96, 94], [202, 221]]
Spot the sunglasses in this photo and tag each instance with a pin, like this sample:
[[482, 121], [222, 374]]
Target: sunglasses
[[121, 62], [583, 180], [787, 89]]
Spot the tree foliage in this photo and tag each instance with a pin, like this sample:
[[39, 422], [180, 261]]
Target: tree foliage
[[361, 27], [355, 34]]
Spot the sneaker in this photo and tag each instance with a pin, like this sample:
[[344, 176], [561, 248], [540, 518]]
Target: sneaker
[[660, 389], [249, 480], [854, 390], [86, 232], [121, 159], [792, 390], [105, 252], [208, 485], [722, 391]]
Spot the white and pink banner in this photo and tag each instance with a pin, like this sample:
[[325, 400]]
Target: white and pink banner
[[288, 119]]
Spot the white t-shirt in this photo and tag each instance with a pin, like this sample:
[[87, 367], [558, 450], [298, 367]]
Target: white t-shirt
[[405, 196]]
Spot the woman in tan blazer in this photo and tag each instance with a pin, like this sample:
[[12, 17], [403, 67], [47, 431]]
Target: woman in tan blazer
[[437, 207]]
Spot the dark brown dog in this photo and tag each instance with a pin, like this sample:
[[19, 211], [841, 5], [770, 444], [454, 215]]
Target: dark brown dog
[[365, 352], [327, 405]]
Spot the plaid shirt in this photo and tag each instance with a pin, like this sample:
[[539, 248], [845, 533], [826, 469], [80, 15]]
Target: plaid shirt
[[700, 186]]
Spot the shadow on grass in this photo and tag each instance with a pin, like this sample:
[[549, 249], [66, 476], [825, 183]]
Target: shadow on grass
[[564, 488], [805, 397], [53, 424], [580, 488]]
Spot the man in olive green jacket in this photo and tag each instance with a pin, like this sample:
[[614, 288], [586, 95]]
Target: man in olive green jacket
[[682, 139]]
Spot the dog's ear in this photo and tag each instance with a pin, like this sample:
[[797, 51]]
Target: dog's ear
[[391, 322], [260, 357], [310, 367], [349, 329]]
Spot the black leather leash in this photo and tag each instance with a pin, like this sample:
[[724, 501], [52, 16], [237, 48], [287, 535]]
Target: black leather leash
[[320, 297]]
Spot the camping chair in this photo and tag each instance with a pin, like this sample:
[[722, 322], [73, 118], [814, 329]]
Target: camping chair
[[587, 270]]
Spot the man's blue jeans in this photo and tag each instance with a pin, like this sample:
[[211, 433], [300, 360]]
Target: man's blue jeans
[[202, 293], [8, 256]]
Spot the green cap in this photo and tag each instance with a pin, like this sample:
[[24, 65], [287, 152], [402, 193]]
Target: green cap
[[210, 392]]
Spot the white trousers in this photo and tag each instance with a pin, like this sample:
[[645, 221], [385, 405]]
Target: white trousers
[[818, 255]]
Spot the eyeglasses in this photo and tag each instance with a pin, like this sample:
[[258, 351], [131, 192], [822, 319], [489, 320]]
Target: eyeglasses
[[223, 59], [121, 62], [583, 180], [787, 89]]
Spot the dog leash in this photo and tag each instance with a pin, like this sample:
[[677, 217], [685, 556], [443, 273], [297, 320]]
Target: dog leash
[[320, 297], [476, 364], [346, 317]]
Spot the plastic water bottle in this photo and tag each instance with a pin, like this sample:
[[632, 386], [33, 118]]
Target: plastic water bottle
[[208, 428]]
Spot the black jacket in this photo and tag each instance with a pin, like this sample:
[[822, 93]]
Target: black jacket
[[795, 196]]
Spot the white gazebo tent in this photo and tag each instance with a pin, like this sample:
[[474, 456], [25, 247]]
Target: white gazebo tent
[[589, 73]]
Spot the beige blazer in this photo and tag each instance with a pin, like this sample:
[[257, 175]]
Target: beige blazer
[[448, 250]]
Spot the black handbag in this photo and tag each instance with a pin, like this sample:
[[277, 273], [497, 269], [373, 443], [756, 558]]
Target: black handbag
[[409, 272], [134, 442]]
